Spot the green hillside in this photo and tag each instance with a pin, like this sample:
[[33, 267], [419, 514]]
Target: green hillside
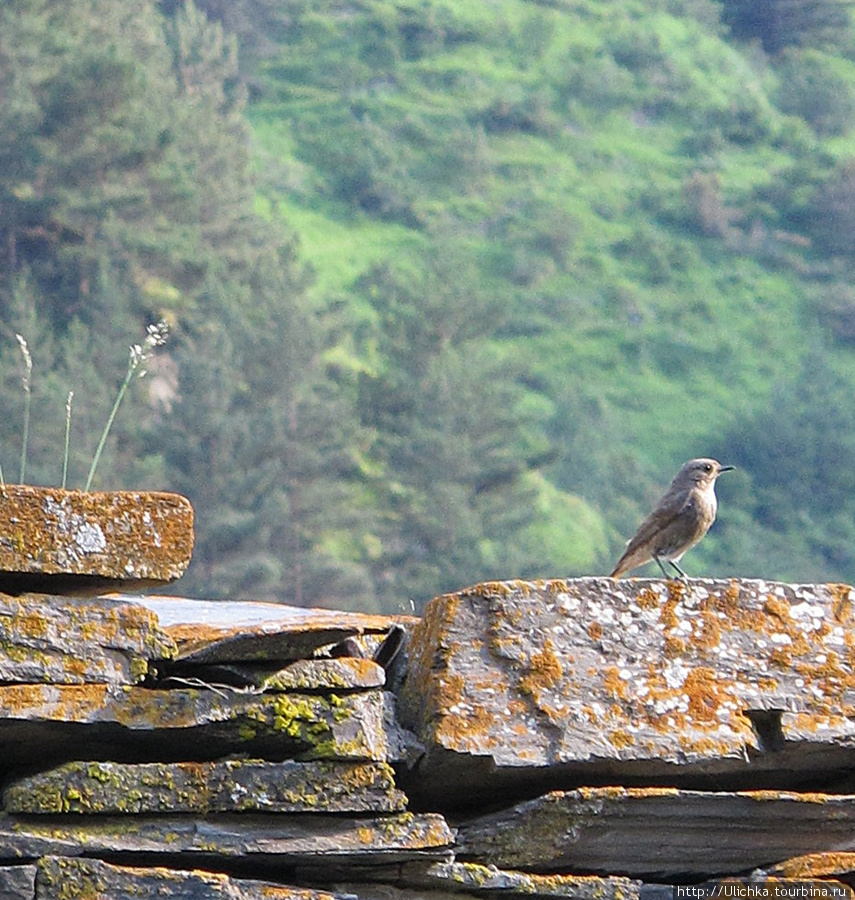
[[641, 190], [487, 276]]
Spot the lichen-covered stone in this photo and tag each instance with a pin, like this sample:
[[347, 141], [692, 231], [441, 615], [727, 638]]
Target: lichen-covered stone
[[635, 679], [149, 725], [57, 541], [64, 640], [658, 833], [815, 865], [447, 880], [243, 631], [189, 841], [237, 785], [64, 878], [342, 674]]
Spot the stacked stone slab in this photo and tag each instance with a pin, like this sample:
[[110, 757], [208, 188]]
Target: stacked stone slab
[[171, 748], [666, 731], [588, 738]]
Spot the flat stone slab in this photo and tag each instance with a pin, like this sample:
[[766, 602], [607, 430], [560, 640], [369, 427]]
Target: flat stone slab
[[265, 840], [63, 878], [451, 879], [342, 674], [209, 631], [591, 680], [659, 833], [65, 640], [478, 879], [321, 675], [134, 724], [63, 542], [237, 785]]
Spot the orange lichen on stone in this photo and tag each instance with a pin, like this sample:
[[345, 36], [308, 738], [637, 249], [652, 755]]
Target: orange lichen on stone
[[816, 865], [709, 635], [421, 700], [614, 685], [621, 738], [781, 657], [778, 607], [118, 536], [474, 728], [704, 694], [65, 702], [595, 631], [674, 646], [646, 792], [842, 596], [545, 670], [647, 599], [668, 615]]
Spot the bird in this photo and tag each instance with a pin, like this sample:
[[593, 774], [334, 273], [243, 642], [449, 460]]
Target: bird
[[680, 519]]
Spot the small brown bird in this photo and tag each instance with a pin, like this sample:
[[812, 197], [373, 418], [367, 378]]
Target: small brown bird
[[681, 518]]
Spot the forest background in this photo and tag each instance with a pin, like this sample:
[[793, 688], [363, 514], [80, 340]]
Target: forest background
[[454, 287]]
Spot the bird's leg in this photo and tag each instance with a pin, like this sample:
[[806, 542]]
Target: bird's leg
[[683, 575], [664, 570], [668, 577]]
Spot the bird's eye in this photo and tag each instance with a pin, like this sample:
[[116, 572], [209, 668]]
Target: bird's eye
[[707, 467]]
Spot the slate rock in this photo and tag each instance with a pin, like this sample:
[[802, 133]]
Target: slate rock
[[60, 542], [64, 640], [61, 878], [209, 631], [343, 674], [320, 675], [235, 785], [529, 685], [267, 841], [451, 879], [18, 882], [136, 724], [658, 833]]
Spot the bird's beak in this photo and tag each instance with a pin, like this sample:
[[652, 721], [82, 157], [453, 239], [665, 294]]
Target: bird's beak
[[726, 469]]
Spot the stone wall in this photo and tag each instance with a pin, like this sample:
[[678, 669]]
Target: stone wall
[[583, 738]]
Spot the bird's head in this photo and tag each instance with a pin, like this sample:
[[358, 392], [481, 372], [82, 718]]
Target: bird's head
[[701, 472]]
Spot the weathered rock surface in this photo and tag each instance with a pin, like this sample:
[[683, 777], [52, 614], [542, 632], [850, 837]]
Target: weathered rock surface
[[590, 737], [219, 632], [236, 785], [658, 833], [523, 686], [450, 879], [311, 675], [18, 882], [135, 723], [270, 841], [64, 640], [61, 878], [56, 541]]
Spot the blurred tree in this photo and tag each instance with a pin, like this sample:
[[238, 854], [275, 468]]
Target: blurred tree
[[798, 456], [451, 438], [785, 23]]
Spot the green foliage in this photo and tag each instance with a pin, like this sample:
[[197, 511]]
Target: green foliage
[[798, 480], [819, 88], [453, 289], [642, 201]]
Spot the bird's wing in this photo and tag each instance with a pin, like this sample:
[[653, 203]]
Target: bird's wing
[[669, 509]]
